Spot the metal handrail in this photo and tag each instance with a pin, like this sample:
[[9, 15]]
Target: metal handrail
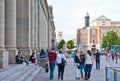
[[114, 70]]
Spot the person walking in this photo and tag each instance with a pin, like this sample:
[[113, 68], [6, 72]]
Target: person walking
[[97, 59], [108, 56], [60, 65], [73, 55], [82, 69], [116, 57], [52, 59], [77, 64], [88, 66]]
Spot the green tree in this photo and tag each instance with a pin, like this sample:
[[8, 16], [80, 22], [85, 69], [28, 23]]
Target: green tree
[[70, 44], [110, 39], [118, 40], [60, 45]]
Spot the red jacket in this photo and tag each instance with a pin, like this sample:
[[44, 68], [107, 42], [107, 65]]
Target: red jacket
[[52, 56]]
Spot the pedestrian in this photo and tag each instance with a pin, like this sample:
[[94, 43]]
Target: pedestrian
[[97, 59], [73, 55], [82, 58], [52, 58], [43, 57], [116, 57], [33, 58], [60, 65], [108, 55], [88, 66], [77, 64], [20, 58], [112, 54]]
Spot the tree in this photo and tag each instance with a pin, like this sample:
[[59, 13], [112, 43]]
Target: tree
[[60, 45], [110, 39], [70, 44]]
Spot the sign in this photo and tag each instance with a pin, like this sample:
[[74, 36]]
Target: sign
[[116, 48]]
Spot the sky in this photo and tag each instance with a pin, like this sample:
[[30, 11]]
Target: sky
[[69, 14]]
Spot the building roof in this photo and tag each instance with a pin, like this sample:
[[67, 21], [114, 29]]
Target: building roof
[[102, 17]]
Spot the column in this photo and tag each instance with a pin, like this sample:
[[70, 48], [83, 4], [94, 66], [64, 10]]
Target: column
[[3, 52], [24, 27], [10, 29]]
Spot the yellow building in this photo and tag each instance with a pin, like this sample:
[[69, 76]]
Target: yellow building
[[91, 36]]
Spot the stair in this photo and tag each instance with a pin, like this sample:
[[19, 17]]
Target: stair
[[19, 72]]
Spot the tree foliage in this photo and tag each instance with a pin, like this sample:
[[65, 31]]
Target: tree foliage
[[111, 38], [60, 45], [70, 44]]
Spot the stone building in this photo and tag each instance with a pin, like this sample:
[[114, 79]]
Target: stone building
[[91, 35], [25, 25], [60, 36]]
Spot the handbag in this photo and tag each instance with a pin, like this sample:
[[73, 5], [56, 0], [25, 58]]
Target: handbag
[[78, 65], [63, 60], [46, 68]]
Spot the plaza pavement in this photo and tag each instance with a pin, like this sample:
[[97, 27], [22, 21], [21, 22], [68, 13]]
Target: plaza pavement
[[21, 72], [69, 75]]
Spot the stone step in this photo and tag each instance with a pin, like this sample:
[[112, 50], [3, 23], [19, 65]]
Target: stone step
[[8, 67], [33, 75], [26, 74], [17, 72], [7, 72]]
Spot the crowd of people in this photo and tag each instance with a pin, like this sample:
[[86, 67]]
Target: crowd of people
[[83, 61], [114, 56]]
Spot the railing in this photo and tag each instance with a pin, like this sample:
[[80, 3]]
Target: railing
[[112, 73]]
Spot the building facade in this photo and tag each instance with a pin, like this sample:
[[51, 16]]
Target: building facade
[[25, 25], [91, 36], [60, 36]]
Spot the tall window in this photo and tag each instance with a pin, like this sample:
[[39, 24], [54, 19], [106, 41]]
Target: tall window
[[103, 24]]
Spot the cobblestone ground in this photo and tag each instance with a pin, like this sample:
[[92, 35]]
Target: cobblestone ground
[[97, 75]]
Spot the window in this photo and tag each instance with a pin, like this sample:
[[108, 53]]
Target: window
[[103, 24], [93, 41]]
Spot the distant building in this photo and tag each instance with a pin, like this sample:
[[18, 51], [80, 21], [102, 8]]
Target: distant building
[[60, 36], [91, 36]]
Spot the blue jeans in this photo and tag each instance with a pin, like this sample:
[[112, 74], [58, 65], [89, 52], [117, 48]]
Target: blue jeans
[[52, 68], [88, 68], [82, 68]]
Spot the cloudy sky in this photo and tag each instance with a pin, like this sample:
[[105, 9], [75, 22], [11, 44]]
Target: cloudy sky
[[69, 14]]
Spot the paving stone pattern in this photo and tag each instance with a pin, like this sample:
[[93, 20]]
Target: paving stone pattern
[[97, 75]]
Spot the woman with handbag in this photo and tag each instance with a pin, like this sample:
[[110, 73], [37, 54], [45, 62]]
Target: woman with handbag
[[77, 64], [61, 65]]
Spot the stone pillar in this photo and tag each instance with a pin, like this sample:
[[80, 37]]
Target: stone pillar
[[3, 52], [10, 29], [24, 27]]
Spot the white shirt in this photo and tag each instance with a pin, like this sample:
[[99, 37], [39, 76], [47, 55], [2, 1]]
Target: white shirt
[[59, 57], [88, 59]]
